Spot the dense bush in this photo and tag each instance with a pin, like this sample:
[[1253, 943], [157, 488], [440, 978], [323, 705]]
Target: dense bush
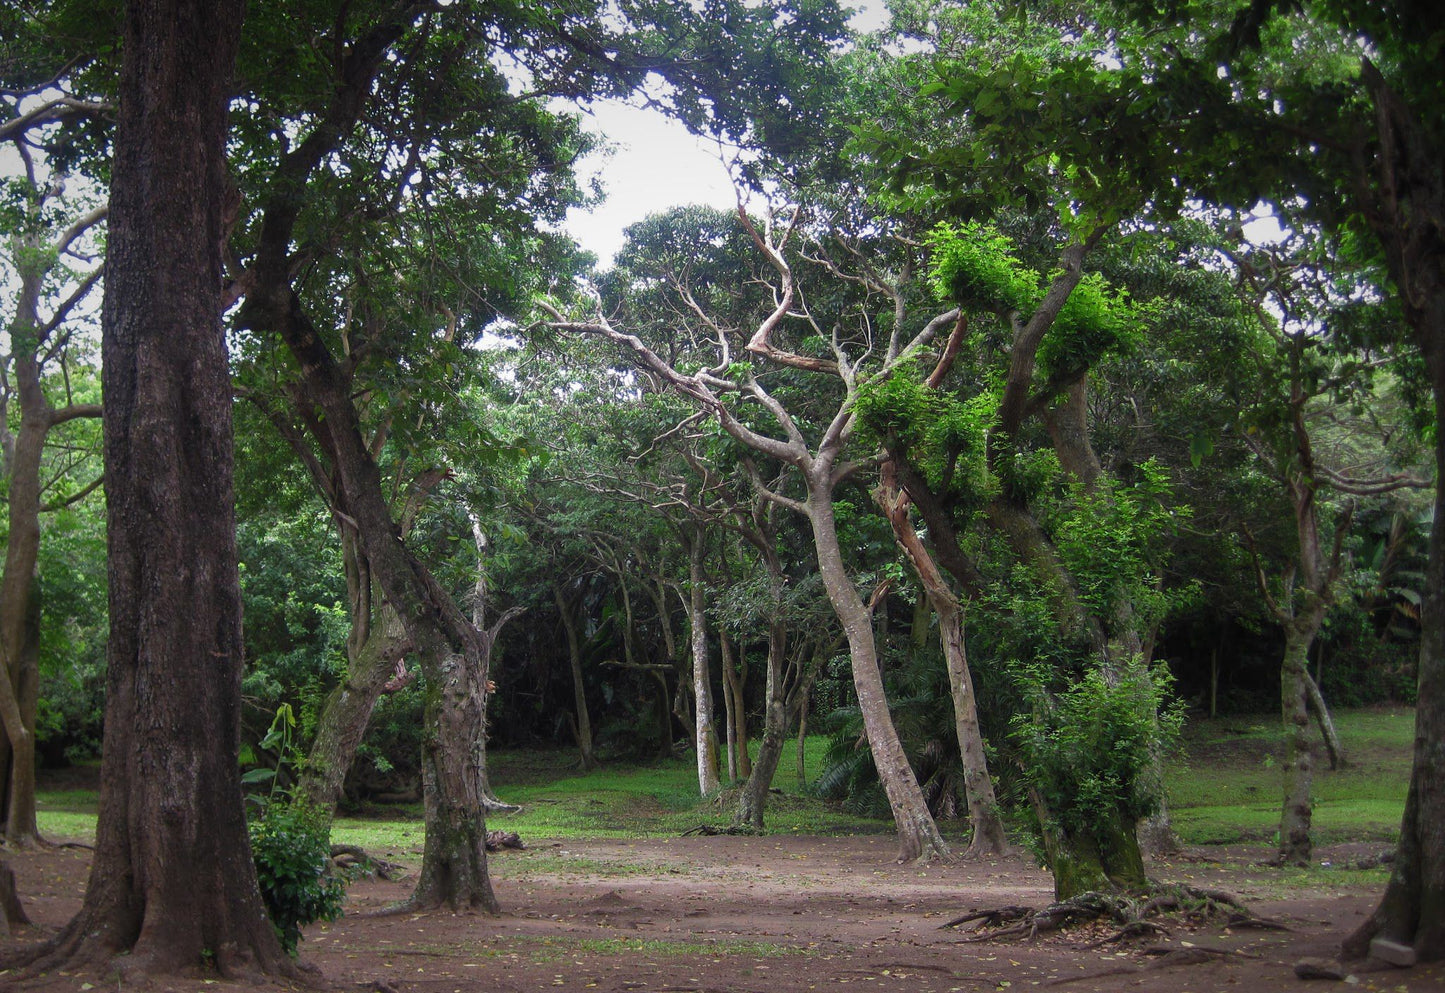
[[291, 845]]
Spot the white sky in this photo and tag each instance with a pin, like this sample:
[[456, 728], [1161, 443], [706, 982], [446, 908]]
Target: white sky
[[656, 164]]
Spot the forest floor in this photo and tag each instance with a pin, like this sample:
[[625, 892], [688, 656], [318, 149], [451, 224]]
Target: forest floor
[[791, 912]]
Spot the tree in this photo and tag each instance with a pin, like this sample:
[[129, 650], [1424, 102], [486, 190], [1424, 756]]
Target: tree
[[822, 465], [1333, 110], [51, 263], [1309, 366], [172, 882], [39, 342]]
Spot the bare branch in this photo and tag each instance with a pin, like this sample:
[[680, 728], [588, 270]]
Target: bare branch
[[50, 112], [75, 497]]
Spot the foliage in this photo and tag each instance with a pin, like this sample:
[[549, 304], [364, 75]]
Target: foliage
[[1087, 749], [291, 845], [974, 265], [1113, 540]]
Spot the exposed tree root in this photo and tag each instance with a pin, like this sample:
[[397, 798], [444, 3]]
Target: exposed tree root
[[498, 840], [1134, 929], [708, 831], [990, 918], [1130, 912], [353, 861]]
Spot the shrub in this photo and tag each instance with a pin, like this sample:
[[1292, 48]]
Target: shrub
[[291, 845]]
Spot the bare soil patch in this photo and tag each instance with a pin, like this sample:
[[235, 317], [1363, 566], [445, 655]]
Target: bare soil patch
[[784, 913]]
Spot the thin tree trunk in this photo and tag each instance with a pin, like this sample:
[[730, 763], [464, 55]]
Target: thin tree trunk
[[989, 836], [489, 635], [781, 705], [704, 734], [753, 799], [729, 705], [802, 769], [735, 671], [1326, 723], [582, 721]]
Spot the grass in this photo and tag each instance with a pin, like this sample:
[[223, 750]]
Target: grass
[[1225, 787], [1228, 785]]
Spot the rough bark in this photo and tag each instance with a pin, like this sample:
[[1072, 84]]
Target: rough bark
[[1403, 193], [172, 882], [344, 716]]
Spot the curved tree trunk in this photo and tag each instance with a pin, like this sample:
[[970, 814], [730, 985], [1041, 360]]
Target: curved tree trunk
[[172, 882], [918, 835], [344, 717], [989, 836], [449, 649], [1327, 724]]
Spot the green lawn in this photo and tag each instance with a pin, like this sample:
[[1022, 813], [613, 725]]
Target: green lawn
[[1228, 783], [1226, 786]]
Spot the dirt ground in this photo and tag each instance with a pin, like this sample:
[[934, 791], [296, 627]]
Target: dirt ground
[[778, 914]]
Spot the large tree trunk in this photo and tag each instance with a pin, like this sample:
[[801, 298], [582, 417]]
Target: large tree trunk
[[918, 835], [172, 882], [1412, 910], [1103, 859]]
